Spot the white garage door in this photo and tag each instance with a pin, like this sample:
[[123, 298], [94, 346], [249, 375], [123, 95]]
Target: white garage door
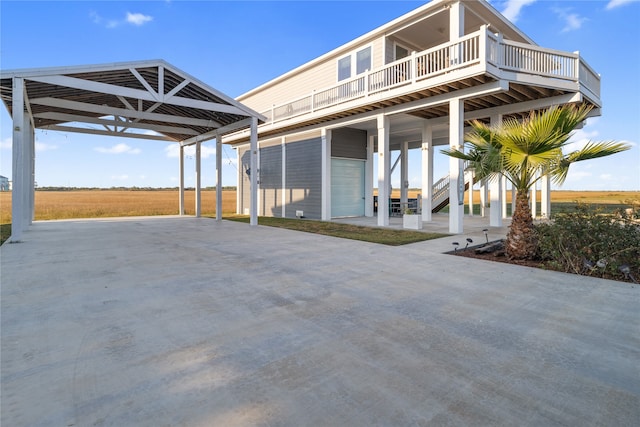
[[347, 187]]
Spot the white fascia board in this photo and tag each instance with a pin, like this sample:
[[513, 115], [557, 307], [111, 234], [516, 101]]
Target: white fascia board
[[108, 133], [71, 118], [112, 111], [75, 69], [211, 135]]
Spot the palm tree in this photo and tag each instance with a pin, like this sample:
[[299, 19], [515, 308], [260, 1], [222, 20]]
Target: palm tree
[[523, 151]]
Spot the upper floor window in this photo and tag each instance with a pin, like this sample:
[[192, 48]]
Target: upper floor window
[[359, 61], [400, 52]]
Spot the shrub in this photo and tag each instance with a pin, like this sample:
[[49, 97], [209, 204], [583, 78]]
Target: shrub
[[588, 242]]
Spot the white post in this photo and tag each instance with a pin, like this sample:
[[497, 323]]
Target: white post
[[18, 161], [253, 208], [181, 181], [198, 179], [545, 190], [495, 191], [513, 200], [368, 177], [484, 193], [427, 170], [534, 202], [456, 174], [218, 177], [240, 190], [326, 174], [456, 30], [404, 175], [384, 166], [29, 176], [283, 144], [470, 192], [503, 197]]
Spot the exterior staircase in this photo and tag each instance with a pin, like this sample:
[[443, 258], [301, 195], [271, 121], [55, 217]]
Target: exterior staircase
[[440, 197]]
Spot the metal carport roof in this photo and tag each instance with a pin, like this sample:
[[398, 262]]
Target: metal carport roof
[[127, 99]]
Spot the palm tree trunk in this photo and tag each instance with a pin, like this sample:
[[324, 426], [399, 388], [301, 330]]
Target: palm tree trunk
[[521, 240]]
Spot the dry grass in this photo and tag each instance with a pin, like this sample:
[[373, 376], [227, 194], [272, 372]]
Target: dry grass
[[110, 203], [115, 203]]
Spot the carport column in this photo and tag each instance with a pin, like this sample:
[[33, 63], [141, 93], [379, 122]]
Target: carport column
[[471, 178], [198, 175], [384, 166], [456, 173], [484, 193], [326, 174], [29, 177], [503, 191], [181, 180], [218, 177], [534, 201], [545, 190], [427, 170], [253, 208], [495, 190], [368, 177], [18, 161], [404, 174]]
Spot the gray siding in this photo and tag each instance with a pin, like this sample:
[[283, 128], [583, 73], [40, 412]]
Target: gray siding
[[349, 143], [271, 181], [303, 178]]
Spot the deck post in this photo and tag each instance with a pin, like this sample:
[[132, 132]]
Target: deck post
[[368, 177], [253, 208], [545, 190], [181, 180], [218, 177], [427, 170], [384, 165], [503, 191], [456, 173], [283, 144], [496, 192], [404, 175]]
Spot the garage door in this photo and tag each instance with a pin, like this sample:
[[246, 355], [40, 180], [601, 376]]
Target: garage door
[[347, 187]]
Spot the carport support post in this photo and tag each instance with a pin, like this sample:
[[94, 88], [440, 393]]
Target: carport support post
[[18, 159], [326, 174], [384, 166], [181, 179], [253, 208], [456, 174], [404, 172], [368, 177], [218, 177], [427, 170], [198, 175], [495, 190], [545, 190]]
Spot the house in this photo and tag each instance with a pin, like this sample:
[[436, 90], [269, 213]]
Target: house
[[411, 84], [4, 183]]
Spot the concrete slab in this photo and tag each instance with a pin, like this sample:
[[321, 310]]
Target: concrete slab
[[192, 322]]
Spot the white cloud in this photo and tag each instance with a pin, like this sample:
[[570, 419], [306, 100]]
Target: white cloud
[[512, 8], [41, 146], [617, 3], [123, 177], [118, 149], [138, 18], [6, 143], [606, 177], [572, 21], [173, 151]]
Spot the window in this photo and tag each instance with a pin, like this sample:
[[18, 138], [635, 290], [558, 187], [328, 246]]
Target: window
[[360, 61], [400, 52], [344, 68]]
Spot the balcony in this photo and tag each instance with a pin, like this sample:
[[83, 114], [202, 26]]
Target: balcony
[[479, 53]]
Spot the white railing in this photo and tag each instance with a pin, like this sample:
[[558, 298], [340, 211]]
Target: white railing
[[476, 48]]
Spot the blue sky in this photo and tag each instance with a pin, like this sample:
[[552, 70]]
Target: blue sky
[[237, 45]]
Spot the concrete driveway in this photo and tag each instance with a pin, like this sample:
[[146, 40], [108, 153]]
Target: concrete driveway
[[177, 321]]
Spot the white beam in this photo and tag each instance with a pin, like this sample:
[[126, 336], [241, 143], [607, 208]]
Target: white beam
[[70, 118], [218, 178], [456, 173], [107, 133], [326, 174], [253, 208], [427, 170], [144, 82], [114, 111], [384, 172], [181, 180], [244, 123]]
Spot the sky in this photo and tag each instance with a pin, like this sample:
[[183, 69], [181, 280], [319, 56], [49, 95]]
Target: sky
[[235, 46]]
